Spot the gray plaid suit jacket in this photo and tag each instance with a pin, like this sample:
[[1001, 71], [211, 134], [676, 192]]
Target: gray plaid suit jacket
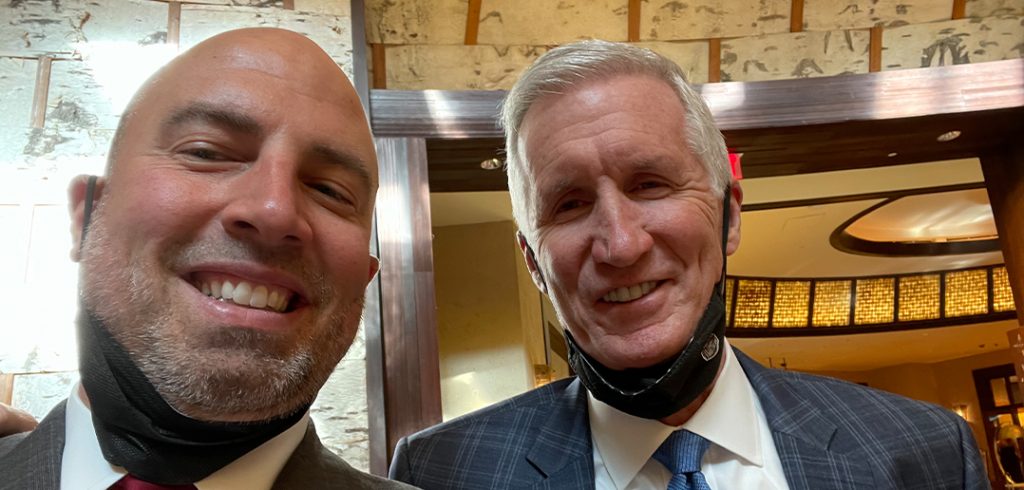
[[32, 461], [829, 434]]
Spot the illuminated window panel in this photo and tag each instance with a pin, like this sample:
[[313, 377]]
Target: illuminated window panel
[[752, 302], [1002, 295], [967, 293], [792, 299], [831, 304], [875, 301], [730, 284], [919, 298]]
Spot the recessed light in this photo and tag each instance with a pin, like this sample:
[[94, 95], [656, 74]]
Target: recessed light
[[491, 164], [893, 154], [948, 136]]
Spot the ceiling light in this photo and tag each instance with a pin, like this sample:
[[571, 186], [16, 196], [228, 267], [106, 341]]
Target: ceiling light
[[491, 164], [892, 154], [948, 136]]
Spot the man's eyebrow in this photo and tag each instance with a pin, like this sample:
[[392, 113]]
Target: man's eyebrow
[[346, 159], [220, 116]]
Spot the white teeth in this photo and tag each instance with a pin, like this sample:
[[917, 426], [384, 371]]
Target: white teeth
[[258, 298], [241, 293], [622, 295], [246, 294]]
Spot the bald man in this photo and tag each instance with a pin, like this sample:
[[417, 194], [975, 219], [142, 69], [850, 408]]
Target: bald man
[[224, 257]]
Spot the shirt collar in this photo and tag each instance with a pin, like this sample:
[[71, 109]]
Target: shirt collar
[[728, 418], [84, 465]]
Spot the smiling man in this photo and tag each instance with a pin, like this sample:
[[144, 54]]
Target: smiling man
[[224, 258], [627, 209]]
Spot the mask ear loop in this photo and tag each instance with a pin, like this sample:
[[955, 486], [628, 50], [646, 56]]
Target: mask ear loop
[[90, 191], [725, 236]]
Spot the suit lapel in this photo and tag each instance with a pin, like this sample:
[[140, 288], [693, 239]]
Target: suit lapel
[[802, 436], [561, 451], [35, 462]]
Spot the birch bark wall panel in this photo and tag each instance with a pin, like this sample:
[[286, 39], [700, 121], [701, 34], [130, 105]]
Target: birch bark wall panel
[[419, 22], [703, 19], [691, 56], [846, 14], [332, 33], [421, 67], [971, 40], [17, 83], [795, 55], [546, 22], [989, 8]]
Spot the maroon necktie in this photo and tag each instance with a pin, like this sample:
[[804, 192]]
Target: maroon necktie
[[129, 482]]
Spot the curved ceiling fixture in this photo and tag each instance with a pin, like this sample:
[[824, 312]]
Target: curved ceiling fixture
[[765, 306], [946, 223]]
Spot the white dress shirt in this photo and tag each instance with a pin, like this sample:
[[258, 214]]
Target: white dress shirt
[[84, 468], [741, 455]]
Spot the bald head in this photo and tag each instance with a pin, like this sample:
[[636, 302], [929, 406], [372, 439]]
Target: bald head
[[278, 53]]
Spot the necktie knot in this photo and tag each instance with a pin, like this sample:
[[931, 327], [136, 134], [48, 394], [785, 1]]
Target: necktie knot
[[130, 482], [681, 453]]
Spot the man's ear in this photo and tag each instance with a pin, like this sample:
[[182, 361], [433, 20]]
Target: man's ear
[[735, 205], [374, 268], [84, 192], [531, 262]]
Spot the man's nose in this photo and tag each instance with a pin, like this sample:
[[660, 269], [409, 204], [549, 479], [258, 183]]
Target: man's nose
[[620, 239], [266, 206]]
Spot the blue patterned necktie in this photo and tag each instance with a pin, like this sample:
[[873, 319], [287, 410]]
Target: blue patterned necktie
[[681, 454]]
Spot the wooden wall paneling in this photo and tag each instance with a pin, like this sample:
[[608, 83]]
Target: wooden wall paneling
[[473, 21], [796, 16], [173, 22], [380, 66], [875, 50], [42, 91], [714, 60], [289, 4], [1004, 178], [6, 388], [412, 390], [633, 30]]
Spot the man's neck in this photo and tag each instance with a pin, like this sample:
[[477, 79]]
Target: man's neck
[[679, 418]]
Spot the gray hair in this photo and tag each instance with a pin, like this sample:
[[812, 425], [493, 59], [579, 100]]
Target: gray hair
[[558, 70]]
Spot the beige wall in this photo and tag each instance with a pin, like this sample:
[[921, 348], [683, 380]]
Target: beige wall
[[101, 51], [945, 383], [424, 41], [482, 346]]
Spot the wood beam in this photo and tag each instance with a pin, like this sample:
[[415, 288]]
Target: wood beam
[[173, 22], [959, 9], [473, 21], [875, 50], [408, 333], [42, 91], [6, 388], [380, 66], [1004, 178], [796, 16], [714, 60], [633, 19]]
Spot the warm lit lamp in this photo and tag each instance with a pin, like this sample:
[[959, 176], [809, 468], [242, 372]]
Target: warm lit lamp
[[961, 410]]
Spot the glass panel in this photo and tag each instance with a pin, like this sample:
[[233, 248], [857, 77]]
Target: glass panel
[[831, 303], [967, 293], [875, 301], [1002, 296], [752, 303], [792, 298], [919, 298], [1000, 397]]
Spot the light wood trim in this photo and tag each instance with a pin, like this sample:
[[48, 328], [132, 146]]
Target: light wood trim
[[6, 388], [289, 4], [714, 60], [796, 16], [173, 22], [42, 91], [633, 16], [875, 50], [473, 21]]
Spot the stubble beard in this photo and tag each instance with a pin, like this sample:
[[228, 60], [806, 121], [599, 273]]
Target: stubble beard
[[214, 373]]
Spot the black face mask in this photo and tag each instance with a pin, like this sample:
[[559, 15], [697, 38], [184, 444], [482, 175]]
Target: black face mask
[[661, 390], [139, 431]]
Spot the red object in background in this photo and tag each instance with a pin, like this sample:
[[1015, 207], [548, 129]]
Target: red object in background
[[734, 164]]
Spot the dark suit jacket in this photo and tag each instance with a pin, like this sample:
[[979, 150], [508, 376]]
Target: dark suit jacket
[[32, 461], [829, 434]]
